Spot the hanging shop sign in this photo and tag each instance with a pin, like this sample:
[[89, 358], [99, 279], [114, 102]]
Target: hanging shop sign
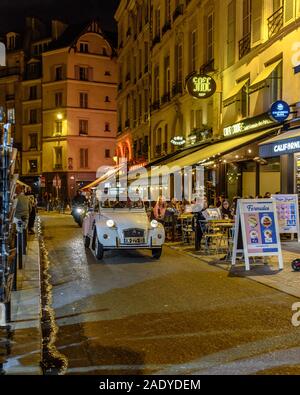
[[279, 111], [178, 140], [257, 231], [249, 125], [201, 86], [287, 214]]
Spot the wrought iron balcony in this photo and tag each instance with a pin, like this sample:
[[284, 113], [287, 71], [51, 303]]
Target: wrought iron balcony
[[166, 27], [275, 22], [8, 71], [178, 11], [156, 40], [177, 89], [245, 45], [155, 105], [166, 98]]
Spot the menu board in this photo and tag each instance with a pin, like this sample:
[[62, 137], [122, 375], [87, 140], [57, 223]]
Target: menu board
[[287, 213], [260, 231]]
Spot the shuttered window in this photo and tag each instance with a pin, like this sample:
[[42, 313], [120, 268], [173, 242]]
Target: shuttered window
[[84, 158], [289, 10], [256, 20], [231, 33]]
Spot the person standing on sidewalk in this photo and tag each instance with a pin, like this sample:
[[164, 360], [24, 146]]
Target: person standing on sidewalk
[[23, 207], [32, 213]]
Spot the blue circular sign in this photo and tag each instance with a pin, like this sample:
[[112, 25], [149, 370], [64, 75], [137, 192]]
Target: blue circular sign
[[280, 111]]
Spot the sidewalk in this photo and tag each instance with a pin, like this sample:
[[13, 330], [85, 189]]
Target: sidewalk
[[25, 355], [286, 281]]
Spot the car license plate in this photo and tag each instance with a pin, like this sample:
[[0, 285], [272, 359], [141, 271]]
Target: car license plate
[[134, 240]]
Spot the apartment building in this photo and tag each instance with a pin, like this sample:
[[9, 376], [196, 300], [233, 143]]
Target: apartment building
[[134, 89], [59, 90]]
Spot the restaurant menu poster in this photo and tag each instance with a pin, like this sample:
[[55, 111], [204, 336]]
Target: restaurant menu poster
[[287, 213], [260, 231]]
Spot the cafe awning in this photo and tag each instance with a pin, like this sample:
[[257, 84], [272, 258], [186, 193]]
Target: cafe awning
[[108, 175], [214, 150], [234, 92], [285, 143], [260, 80]]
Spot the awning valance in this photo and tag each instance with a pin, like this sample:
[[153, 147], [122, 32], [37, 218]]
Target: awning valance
[[260, 80], [234, 92], [285, 143]]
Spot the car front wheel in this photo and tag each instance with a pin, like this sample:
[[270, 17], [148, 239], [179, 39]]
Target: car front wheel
[[156, 253], [99, 252]]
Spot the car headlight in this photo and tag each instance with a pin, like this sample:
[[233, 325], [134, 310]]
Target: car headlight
[[154, 223], [110, 223], [79, 210]]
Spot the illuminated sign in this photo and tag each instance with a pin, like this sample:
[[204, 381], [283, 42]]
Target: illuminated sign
[[178, 140], [248, 125], [201, 86], [279, 111], [278, 148]]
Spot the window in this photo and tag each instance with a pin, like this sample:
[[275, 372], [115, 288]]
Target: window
[[33, 116], [107, 99], [167, 78], [58, 128], [83, 100], [83, 73], [194, 51], [179, 62], [107, 127], [84, 158], [58, 99], [107, 153], [210, 37], [33, 141], [107, 73], [156, 83], [58, 73], [157, 22], [276, 84], [11, 115], [83, 126], [33, 92], [84, 47], [245, 101], [231, 11], [33, 165], [167, 11], [57, 157], [246, 17]]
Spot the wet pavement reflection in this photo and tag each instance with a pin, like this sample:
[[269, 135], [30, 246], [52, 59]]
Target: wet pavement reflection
[[132, 315]]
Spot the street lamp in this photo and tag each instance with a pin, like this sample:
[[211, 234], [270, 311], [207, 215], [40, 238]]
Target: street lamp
[[59, 116]]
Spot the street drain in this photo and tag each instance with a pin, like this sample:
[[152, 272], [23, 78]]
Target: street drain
[[53, 362]]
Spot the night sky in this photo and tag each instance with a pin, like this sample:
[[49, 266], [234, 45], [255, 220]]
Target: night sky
[[12, 12]]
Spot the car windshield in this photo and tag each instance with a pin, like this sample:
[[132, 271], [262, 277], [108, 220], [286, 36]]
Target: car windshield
[[119, 204]]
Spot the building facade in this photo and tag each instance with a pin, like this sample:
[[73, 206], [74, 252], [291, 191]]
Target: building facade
[[134, 89], [250, 49], [59, 89]]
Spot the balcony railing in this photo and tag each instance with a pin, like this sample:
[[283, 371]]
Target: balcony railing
[[8, 71], [156, 40], [275, 22], [9, 97], [178, 11], [155, 105], [58, 166], [166, 27], [177, 89], [245, 45], [166, 98]]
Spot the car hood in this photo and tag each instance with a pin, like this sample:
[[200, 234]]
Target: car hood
[[128, 220]]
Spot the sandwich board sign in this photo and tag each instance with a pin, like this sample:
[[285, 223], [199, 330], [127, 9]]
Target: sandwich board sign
[[288, 214], [257, 225]]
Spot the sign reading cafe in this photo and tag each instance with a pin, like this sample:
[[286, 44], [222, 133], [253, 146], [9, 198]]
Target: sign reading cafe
[[201, 86]]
